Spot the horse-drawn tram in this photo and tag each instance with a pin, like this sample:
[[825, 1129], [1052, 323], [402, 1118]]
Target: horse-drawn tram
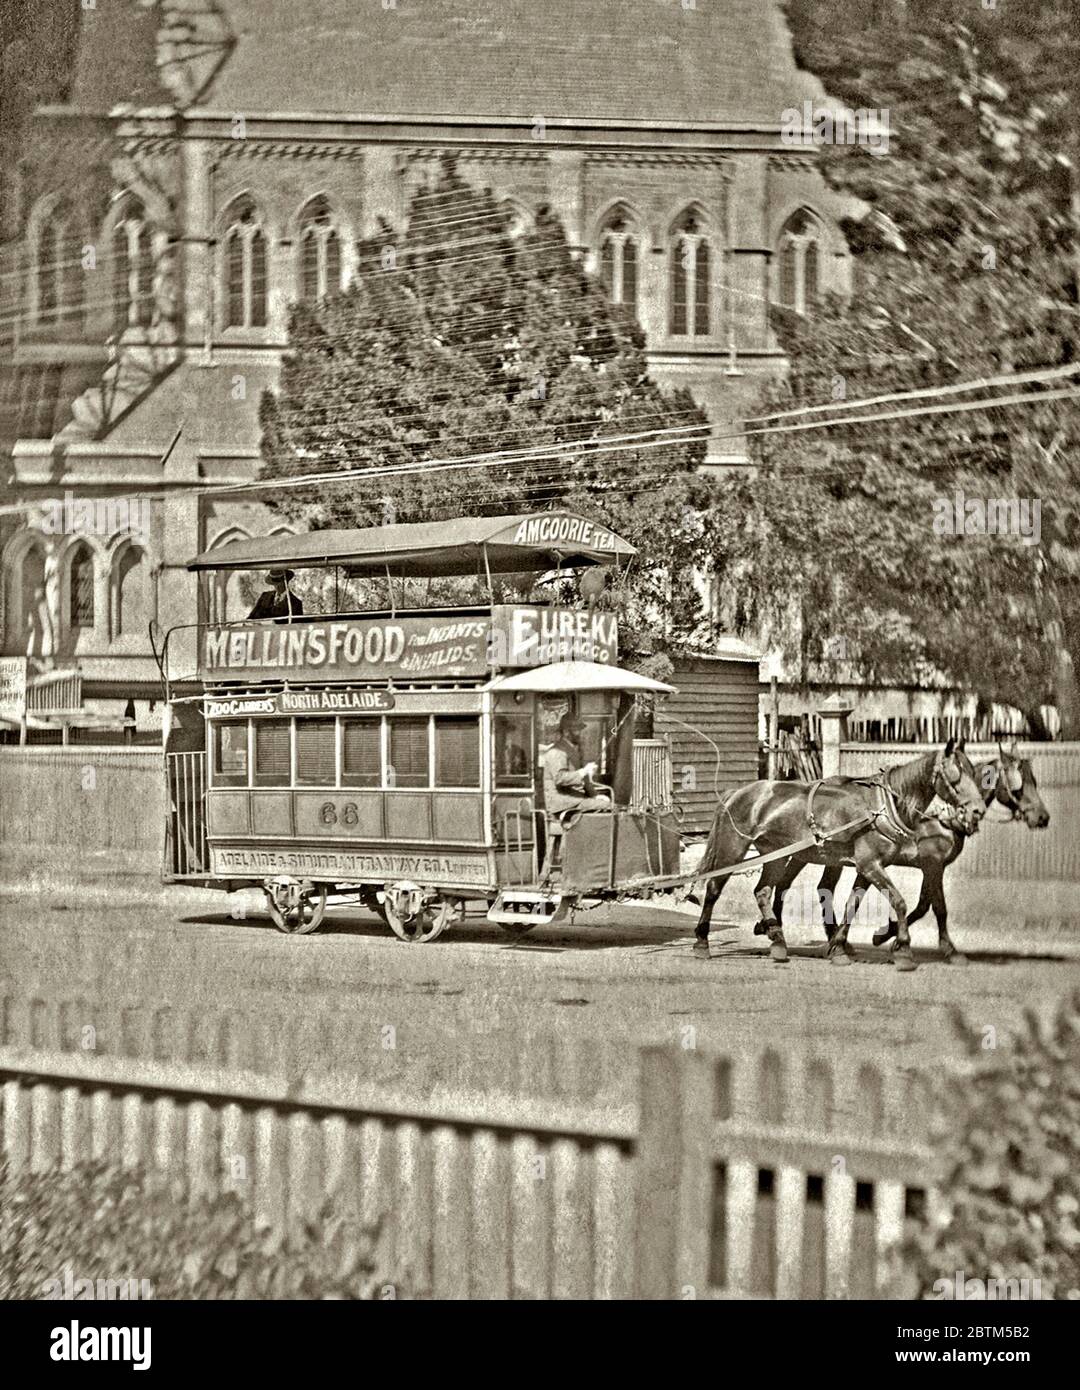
[[417, 758]]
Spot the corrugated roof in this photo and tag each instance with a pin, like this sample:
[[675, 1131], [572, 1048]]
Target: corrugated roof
[[639, 60]]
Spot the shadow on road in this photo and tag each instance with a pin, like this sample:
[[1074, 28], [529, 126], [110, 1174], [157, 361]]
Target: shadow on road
[[664, 937]]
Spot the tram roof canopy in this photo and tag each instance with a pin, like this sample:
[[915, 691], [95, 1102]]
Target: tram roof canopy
[[578, 675], [513, 544]]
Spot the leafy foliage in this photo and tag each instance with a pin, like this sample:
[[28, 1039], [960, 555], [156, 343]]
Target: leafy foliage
[[1009, 1131], [965, 267], [107, 1223], [460, 339]]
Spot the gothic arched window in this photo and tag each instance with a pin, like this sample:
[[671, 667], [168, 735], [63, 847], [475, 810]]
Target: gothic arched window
[[619, 260], [691, 294], [810, 276], [131, 606], [28, 625], [320, 252], [133, 268], [81, 588], [798, 281], [245, 267], [58, 263]]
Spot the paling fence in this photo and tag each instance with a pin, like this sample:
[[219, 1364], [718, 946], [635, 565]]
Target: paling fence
[[1004, 851], [753, 1176]]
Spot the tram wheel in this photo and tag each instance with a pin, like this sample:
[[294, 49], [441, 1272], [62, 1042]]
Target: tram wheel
[[302, 917], [426, 925]]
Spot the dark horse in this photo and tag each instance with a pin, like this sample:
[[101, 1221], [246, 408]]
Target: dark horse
[[938, 841], [874, 817]]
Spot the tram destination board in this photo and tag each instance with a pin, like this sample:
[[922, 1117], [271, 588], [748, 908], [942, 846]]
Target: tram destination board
[[412, 647]]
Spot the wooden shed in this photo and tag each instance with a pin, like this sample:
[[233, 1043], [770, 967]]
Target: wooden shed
[[712, 725]]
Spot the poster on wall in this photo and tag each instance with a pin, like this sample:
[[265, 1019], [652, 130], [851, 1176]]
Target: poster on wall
[[12, 689]]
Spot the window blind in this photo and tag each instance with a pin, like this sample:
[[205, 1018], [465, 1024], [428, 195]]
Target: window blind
[[362, 753], [457, 752], [271, 752], [315, 754], [408, 753]]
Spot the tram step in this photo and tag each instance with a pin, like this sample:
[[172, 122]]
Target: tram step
[[525, 908]]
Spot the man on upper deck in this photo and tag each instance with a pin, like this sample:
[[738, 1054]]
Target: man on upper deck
[[568, 782], [278, 601]]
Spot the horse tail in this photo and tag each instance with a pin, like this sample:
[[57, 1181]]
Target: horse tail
[[727, 840]]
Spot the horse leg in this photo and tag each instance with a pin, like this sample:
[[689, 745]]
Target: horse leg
[[726, 846], [934, 877], [713, 888], [826, 896], [881, 937], [777, 876], [871, 871], [837, 949], [781, 884]]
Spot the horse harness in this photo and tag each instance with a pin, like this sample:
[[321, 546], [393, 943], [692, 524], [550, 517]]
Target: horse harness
[[888, 810], [886, 819]]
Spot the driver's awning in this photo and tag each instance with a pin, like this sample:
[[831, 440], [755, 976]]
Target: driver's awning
[[577, 675]]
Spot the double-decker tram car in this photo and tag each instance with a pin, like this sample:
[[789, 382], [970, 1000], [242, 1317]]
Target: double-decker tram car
[[419, 759]]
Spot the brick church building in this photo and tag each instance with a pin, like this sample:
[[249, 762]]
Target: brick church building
[[216, 160]]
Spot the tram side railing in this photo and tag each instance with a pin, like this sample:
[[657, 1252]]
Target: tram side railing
[[188, 851], [652, 775]]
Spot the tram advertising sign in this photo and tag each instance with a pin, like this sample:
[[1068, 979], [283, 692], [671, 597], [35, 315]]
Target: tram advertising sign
[[322, 701], [533, 636], [407, 648], [416, 647]]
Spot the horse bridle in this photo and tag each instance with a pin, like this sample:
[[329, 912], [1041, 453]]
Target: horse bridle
[[1010, 798], [945, 790], [950, 794]]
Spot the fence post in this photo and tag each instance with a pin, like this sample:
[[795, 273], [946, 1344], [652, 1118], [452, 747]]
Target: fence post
[[834, 732], [674, 1174]]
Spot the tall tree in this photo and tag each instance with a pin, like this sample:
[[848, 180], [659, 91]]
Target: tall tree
[[459, 339], [965, 268]]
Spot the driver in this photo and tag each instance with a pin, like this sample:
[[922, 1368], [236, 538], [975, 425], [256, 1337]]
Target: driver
[[567, 782]]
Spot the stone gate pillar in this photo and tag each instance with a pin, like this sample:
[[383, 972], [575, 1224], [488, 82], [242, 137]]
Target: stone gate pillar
[[834, 715]]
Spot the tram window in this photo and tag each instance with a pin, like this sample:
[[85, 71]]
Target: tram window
[[513, 750], [408, 753], [231, 753], [457, 752], [316, 752], [272, 753], [362, 753]]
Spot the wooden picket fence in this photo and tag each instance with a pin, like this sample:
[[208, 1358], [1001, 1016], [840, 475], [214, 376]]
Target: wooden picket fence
[[766, 1176]]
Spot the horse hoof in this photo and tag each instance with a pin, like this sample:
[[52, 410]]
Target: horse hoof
[[778, 953], [701, 948], [904, 960], [761, 928], [841, 958], [955, 958], [880, 937]]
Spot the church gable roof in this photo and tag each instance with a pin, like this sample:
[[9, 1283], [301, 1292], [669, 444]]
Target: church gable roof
[[650, 61]]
